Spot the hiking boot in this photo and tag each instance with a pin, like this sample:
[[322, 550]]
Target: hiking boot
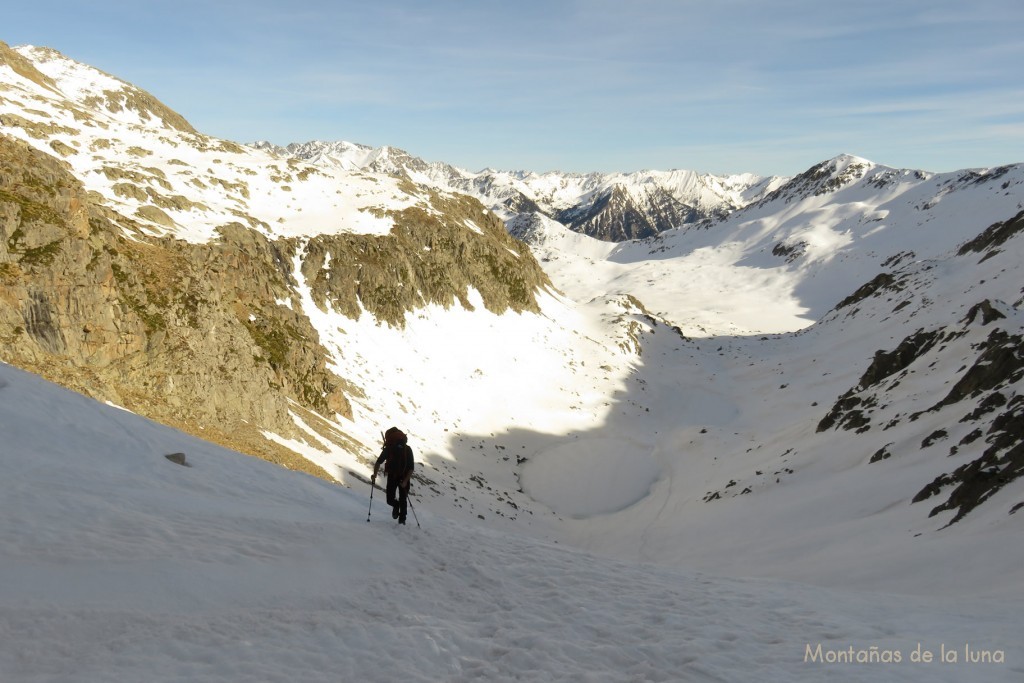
[[394, 512], [401, 520]]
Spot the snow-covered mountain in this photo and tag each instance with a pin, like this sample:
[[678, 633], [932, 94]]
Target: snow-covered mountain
[[821, 385], [856, 336], [609, 206]]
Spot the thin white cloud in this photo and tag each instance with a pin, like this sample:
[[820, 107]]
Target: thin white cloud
[[574, 83]]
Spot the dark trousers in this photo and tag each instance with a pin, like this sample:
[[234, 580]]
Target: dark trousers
[[401, 502]]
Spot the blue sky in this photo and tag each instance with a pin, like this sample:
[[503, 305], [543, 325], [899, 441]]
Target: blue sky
[[720, 86]]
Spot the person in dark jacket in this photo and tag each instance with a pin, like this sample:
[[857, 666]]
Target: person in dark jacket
[[398, 465]]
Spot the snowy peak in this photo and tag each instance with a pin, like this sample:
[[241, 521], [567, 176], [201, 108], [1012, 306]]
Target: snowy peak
[[350, 156], [837, 225], [823, 178], [25, 69], [859, 175], [100, 93]]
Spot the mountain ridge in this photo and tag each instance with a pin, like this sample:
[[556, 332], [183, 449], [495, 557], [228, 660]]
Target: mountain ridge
[[609, 206]]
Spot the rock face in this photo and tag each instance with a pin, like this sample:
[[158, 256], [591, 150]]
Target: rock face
[[204, 336], [616, 216], [999, 367], [429, 257], [179, 332]]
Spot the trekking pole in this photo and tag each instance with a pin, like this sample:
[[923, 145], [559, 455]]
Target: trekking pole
[[408, 499], [371, 501]]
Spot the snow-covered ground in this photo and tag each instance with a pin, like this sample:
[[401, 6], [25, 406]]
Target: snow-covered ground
[[119, 565]]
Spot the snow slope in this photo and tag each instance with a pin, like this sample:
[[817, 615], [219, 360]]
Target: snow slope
[[718, 433], [120, 565]]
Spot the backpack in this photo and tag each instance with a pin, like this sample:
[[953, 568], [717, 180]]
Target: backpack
[[397, 452], [395, 435]]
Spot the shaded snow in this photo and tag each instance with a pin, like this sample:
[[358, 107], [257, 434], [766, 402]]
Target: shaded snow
[[119, 565]]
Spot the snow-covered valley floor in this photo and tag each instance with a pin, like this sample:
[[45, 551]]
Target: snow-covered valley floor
[[119, 565]]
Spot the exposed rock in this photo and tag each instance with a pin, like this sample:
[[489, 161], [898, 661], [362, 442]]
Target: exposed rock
[[975, 482], [881, 454], [998, 368], [989, 314], [989, 404], [156, 215], [994, 236], [1001, 363], [615, 216], [791, 252], [430, 257], [178, 459], [886, 364], [820, 179], [935, 436], [848, 410], [882, 281], [24, 67], [848, 413], [156, 325]]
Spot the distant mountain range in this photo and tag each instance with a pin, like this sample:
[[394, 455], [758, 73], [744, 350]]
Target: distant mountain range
[[609, 206]]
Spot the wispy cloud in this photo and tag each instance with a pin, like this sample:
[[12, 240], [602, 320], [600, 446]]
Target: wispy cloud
[[581, 84]]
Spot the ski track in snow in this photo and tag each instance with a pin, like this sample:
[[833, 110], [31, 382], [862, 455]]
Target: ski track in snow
[[467, 606], [494, 612]]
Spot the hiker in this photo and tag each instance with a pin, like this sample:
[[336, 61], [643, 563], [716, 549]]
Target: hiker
[[398, 465]]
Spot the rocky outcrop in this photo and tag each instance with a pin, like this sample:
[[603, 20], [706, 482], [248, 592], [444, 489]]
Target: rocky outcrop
[[430, 257], [24, 67], [130, 98], [993, 237], [974, 482], [989, 388]]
